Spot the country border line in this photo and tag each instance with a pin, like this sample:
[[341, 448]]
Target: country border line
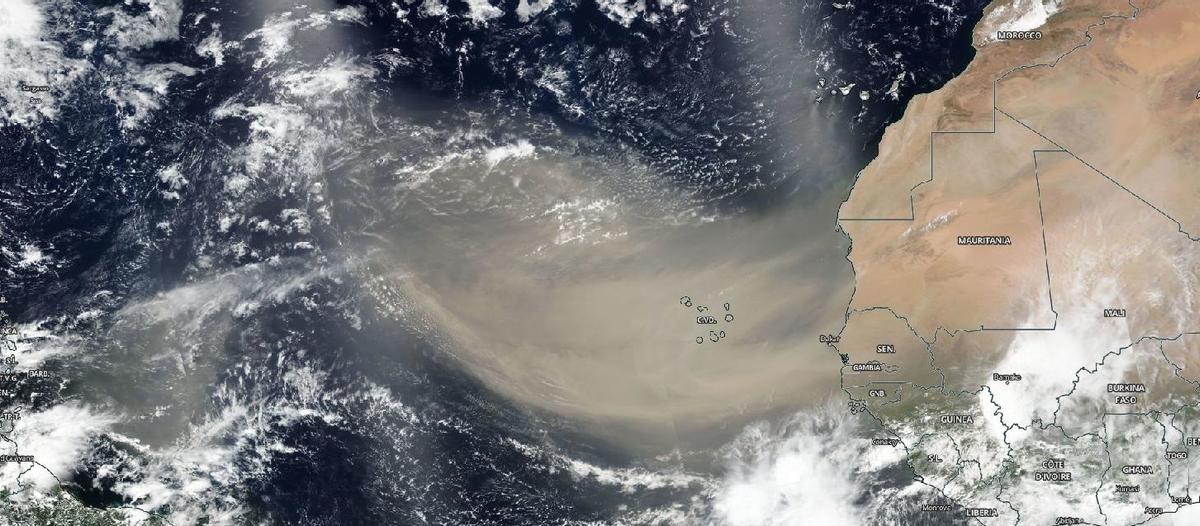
[[1087, 36], [912, 207], [1037, 181], [1178, 224]]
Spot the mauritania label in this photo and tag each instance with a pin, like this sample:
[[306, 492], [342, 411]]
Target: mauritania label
[[984, 240]]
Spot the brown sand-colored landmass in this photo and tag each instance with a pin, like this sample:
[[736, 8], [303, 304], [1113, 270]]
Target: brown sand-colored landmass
[[880, 336], [964, 103], [1127, 105], [1107, 245], [922, 269]]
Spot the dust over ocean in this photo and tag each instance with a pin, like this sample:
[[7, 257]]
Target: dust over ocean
[[405, 263]]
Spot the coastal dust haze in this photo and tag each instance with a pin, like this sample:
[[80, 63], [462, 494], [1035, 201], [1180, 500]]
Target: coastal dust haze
[[567, 298]]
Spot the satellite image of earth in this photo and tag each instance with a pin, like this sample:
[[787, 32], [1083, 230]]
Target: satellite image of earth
[[599, 262]]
